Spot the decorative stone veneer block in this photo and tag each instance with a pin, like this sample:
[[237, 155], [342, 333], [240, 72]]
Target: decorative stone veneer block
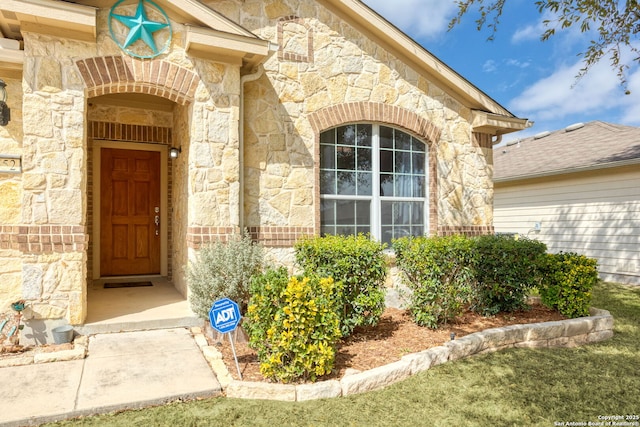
[[599, 335], [560, 342], [259, 390], [464, 347], [579, 326], [439, 355], [211, 353], [419, 362], [545, 331], [319, 390], [514, 334], [375, 378], [223, 375], [533, 344], [602, 323]]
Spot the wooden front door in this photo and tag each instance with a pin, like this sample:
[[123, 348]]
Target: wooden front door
[[129, 212]]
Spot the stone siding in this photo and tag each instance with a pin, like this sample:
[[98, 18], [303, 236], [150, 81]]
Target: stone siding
[[324, 74]]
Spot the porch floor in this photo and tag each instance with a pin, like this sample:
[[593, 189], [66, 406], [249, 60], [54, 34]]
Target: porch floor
[[136, 308]]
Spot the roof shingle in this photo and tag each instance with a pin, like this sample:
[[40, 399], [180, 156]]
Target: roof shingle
[[594, 145]]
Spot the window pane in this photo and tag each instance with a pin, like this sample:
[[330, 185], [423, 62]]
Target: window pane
[[417, 213], [386, 213], [386, 161], [327, 182], [363, 230], [403, 162], [364, 135], [364, 159], [386, 137], [327, 229], [363, 213], [386, 185], [347, 183], [399, 232], [345, 212], [403, 186], [327, 156], [403, 141], [346, 158], [418, 163], [328, 137], [347, 135], [387, 235], [328, 212], [365, 183], [401, 213], [418, 186], [417, 145], [345, 231]]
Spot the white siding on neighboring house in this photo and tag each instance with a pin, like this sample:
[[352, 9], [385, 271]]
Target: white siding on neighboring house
[[594, 213]]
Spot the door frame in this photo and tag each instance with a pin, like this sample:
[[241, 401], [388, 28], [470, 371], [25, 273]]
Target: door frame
[[164, 211]]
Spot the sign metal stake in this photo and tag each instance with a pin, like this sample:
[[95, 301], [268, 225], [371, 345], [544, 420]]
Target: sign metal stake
[[233, 349], [225, 317]]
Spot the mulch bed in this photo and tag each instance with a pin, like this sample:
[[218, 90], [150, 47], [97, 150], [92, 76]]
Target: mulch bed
[[395, 336]]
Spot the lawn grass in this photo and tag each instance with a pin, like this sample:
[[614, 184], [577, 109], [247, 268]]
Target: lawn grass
[[513, 387]]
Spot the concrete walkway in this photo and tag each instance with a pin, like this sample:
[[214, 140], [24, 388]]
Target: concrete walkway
[[122, 371]]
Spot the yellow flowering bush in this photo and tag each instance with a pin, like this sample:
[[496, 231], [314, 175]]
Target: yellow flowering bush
[[293, 325]]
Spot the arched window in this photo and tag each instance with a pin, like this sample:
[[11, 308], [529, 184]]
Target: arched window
[[373, 179]]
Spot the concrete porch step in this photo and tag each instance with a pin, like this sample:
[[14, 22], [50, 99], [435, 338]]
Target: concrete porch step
[[115, 325]]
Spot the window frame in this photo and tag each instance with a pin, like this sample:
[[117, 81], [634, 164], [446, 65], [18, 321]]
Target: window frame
[[376, 199]]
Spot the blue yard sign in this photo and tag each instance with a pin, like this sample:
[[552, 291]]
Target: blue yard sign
[[224, 315]]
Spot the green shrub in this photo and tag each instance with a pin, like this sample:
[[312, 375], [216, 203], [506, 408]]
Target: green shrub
[[506, 271], [359, 264], [293, 325], [568, 282], [439, 271], [224, 269]]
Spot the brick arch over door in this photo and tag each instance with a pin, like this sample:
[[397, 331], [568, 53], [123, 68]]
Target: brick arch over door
[[374, 112], [116, 74]]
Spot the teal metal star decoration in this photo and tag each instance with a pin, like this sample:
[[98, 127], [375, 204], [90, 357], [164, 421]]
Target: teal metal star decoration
[[140, 28]]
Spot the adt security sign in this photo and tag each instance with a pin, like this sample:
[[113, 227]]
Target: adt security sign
[[224, 315]]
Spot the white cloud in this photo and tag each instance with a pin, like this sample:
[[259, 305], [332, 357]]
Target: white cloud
[[558, 96], [489, 66], [419, 18], [517, 63], [530, 32]]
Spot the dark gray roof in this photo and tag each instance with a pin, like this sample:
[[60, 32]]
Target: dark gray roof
[[593, 145]]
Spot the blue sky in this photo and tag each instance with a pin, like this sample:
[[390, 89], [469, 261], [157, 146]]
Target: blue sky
[[531, 78]]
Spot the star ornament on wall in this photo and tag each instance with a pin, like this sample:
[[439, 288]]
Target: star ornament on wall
[[140, 26]]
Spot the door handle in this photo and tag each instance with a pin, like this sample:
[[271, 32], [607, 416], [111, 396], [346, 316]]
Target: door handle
[[156, 220]]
